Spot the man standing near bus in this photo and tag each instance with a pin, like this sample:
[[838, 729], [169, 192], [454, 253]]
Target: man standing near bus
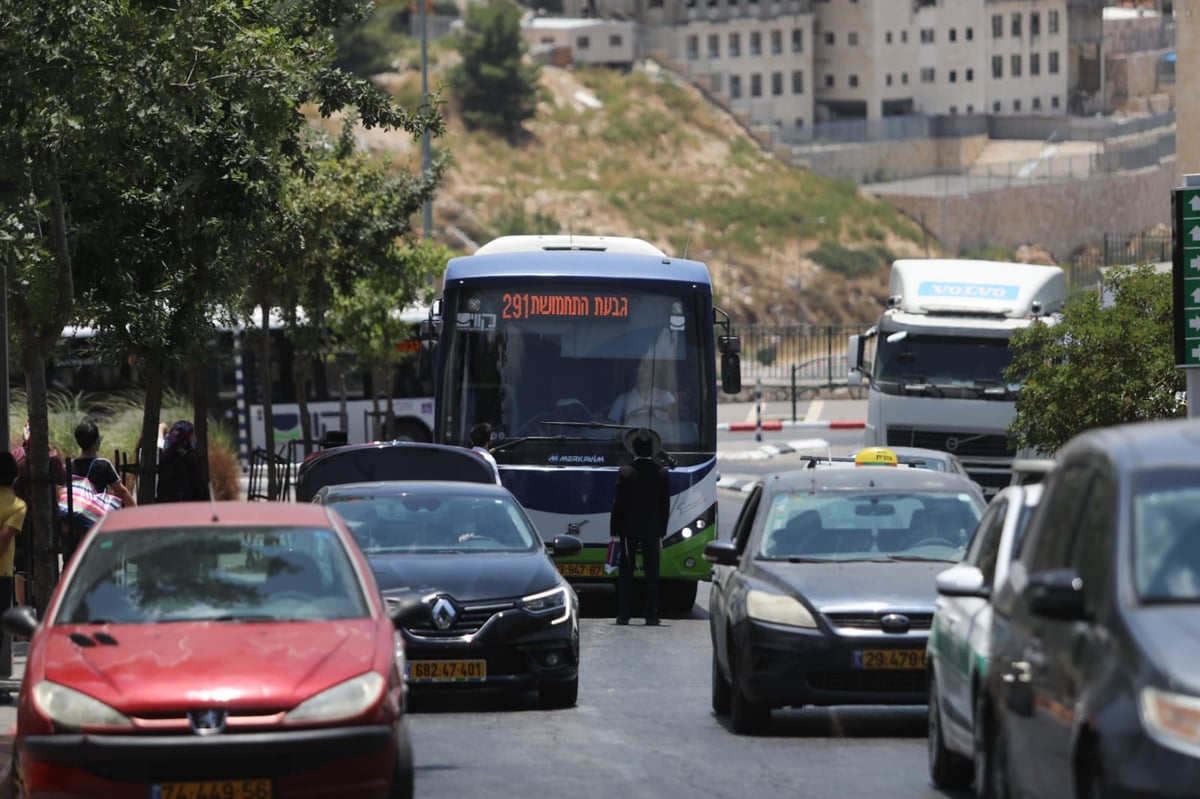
[[640, 512]]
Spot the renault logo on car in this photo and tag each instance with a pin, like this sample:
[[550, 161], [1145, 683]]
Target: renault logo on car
[[444, 613]]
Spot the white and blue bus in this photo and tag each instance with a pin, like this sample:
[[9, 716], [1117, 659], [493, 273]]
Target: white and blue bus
[[539, 335]]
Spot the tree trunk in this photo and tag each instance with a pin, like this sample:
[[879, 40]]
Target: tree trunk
[[147, 455], [200, 409], [301, 371], [45, 549]]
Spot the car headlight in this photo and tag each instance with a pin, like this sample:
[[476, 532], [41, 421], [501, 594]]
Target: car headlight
[[548, 603], [345, 700], [71, 709], [778, 609], [1172, 719]]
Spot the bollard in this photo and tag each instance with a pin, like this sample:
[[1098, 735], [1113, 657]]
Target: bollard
[[758, 409]]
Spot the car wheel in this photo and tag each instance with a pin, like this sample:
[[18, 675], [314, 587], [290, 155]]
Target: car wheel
[[402, 772], [564, 693], [749, 718], [720, 689], [679, 595], [946, 769]]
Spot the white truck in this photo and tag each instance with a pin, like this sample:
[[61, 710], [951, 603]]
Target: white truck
[[936, 368]]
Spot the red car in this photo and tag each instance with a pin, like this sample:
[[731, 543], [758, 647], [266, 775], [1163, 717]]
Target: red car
[[234, 649]]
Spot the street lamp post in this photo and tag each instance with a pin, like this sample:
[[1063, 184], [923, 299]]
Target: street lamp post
[[426, 146]]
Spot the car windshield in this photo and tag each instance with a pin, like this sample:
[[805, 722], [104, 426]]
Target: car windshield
[[206, 573], [430, 523], [852, 525], [1166, 536]]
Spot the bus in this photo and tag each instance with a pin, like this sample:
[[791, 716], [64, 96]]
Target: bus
[[237, 385], [538, 336]]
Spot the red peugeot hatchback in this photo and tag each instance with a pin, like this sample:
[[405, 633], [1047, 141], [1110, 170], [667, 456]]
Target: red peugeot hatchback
[[232, 649]]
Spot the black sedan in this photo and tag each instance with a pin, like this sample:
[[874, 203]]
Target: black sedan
[[501, 614], [1093, 688], [826, 592]]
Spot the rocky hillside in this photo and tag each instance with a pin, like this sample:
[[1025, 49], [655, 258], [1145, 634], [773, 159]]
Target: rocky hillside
[[643, 154]]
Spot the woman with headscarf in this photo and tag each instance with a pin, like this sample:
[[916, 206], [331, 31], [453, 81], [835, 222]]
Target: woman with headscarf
[[180, 476]]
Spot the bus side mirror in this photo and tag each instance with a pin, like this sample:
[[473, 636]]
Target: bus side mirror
[[731, 364]]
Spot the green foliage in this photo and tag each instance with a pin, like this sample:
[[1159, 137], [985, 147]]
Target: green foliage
[[849, 262], [513, 221], [495, 87], [367, 46], [991, 254], [1098, 366]]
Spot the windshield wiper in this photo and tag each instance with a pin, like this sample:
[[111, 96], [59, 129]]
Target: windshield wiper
[[924, 387], [919, 558], [245, 617], [993, 388]]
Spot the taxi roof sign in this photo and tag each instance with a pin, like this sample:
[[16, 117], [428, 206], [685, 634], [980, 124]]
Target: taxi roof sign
[[876, 456]]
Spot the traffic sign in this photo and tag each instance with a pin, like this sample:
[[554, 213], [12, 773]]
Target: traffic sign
[[1185, 273]]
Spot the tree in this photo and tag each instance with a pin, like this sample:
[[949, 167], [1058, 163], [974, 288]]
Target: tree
[[1104, 363], [143, 147], [495, 86]]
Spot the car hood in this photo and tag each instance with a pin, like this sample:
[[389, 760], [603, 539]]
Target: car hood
[[141, 669], [466, 577], [1170, 637], [830, 587]]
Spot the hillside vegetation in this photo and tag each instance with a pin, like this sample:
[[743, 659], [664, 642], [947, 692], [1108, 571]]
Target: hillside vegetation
[[643, 154]]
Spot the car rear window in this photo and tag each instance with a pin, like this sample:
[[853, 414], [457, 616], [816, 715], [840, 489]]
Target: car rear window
[[402, 462], [228, 574]]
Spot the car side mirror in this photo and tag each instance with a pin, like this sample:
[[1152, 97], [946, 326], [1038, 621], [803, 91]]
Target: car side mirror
[[565, 546], [407, 610], [722, 553], [1057, 594], [962, 580], [19, 620]]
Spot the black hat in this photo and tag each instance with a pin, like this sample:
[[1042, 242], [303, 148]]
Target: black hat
[[643, 442]]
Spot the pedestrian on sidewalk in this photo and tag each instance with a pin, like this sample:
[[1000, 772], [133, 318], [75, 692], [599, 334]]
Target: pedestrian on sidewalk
[[640, 512], [12, 519]]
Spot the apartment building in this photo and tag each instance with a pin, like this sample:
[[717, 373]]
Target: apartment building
[[792, 63]]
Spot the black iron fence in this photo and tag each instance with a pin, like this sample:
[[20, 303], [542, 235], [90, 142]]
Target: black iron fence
[[806, 357]]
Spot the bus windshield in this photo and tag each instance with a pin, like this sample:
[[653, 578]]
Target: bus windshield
[[571, 367]]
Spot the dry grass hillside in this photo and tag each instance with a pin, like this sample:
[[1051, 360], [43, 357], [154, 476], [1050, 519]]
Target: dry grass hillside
[[641, 154]]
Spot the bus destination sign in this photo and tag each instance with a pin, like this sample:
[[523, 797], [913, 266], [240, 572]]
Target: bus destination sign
[[531, 306]]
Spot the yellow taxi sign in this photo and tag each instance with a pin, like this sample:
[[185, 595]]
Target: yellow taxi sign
[[876, 456]]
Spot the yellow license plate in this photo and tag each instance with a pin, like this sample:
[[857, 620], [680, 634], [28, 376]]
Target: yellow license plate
[[219, 789], [581, 569], [889, 659], [447, 670]]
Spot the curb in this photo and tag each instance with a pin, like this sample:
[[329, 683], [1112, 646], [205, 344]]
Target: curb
[[777, 424]]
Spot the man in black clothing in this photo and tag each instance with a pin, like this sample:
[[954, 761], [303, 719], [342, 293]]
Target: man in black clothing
[[640, 511]]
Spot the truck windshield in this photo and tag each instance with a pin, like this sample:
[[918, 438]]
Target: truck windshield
[[939, 361]]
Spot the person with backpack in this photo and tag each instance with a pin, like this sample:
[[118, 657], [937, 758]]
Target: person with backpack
[[180, 476], [100, 472], [23, 487]]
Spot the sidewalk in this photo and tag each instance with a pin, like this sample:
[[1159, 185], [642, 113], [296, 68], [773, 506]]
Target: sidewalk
[[8, 713]]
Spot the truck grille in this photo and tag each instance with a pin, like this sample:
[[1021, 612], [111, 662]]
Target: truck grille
[[963, 444]]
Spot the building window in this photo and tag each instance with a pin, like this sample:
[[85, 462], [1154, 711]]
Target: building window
[[954, 34], [1035, 63], [1035, 23], [735, 45], [582, 42], [797, 81], [776, 42], [1016, 25], [828, 81], [903, 37], [853, 81], [926, 35], [755, 43], [953, 110], [1016, 105], [1054, 101], [829, 38], [852, 38], [735, 86], [953, 76], [969, 33], [927, 74], [1015, 65], [997, 66], [756, 85], [996, 107], [614, 40], [656, 3], [970, 109], [714, 46], [997, 26], [1052, 63], [970, 75], [1052, 21], [799, 123], [903, 78], [777, 84], [693, 47], [887, 38], [1037, 103], [887, 79], [797, 40]]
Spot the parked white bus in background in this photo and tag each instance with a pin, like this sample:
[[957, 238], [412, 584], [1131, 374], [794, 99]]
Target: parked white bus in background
[[936, 363]]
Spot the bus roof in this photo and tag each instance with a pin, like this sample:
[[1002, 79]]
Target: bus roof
[[598, 264], [624, 244]]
